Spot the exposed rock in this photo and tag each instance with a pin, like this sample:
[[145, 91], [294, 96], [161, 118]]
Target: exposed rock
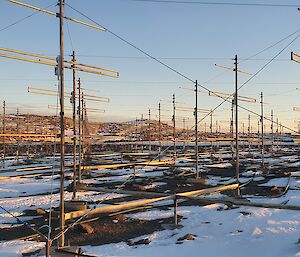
[[144, 241], [40, 211], [245, 213], [187, 237]]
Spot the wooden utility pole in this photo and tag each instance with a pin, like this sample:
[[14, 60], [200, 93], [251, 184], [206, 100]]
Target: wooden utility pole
[[159, 131], [62, 121], [174, 130], [79, 130], [196, 129], [262, 130], [73, 101], [4, 131], [237, 160], [149, 129]]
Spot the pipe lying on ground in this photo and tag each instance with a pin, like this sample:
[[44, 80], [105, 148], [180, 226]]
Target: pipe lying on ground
[[119, 207], [232, 201]]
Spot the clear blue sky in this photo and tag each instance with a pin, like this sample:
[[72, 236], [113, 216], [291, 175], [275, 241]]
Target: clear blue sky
[[191, 38]]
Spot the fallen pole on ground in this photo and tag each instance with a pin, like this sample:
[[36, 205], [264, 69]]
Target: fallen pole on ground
[[233, 201], [120, 207]]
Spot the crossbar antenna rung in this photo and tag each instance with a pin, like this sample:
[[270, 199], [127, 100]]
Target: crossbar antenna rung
[[56, 15]]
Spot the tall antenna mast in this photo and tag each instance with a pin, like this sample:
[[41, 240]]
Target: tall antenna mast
[[62, 122]]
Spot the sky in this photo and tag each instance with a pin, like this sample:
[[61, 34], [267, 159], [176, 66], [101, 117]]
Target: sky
[[189, 38]]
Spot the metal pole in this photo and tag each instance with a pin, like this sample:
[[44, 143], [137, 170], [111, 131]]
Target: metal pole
[[272, 128], [62, 121], [27, 129], [262, 130], [35, 144], [174, 131], [231, 128], [74, 125], [277, 132], [183, 133], [82, 135], [159, 129], [18, 130], [249, 132], [136, 123], [79, 130], [237, 160], [196, 129], [141, 132], [211, 132], [4, 131], [211, 122], [149, 128], [175, 211]]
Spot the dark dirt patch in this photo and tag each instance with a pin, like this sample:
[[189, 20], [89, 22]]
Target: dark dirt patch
[[111, 230]]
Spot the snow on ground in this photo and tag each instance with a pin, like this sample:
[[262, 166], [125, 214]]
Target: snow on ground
[[219, 165], [16, 248], [257, 232], [18, 205], [26, 186], [220, 232]]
